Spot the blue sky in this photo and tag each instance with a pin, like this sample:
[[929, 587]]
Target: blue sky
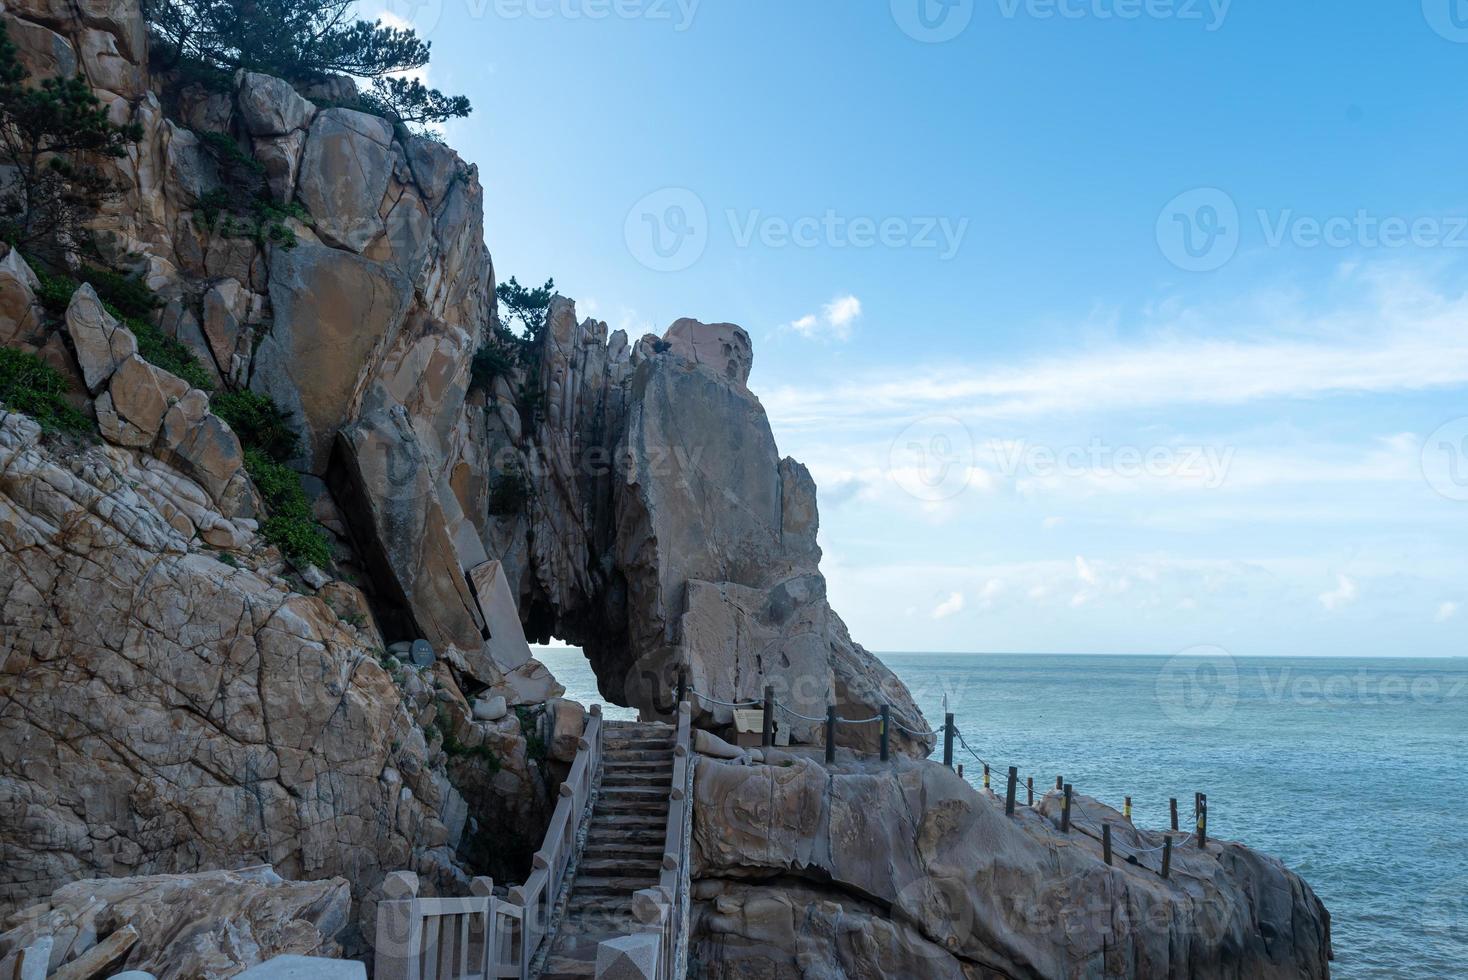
[[1104, 325]]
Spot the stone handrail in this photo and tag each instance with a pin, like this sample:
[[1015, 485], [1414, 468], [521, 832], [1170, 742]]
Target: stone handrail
[[542, 890], [482, 936], [660, 948]]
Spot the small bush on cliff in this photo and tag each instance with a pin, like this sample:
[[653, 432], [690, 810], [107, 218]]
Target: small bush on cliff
[[32, 387], [291, 526], [300, 40], [46, 132], [259, 423]]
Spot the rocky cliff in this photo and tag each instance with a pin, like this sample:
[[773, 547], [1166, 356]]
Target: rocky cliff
[[180, 696]]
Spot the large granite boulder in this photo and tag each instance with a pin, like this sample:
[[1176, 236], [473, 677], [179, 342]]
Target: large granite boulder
[[344, 174], [198, 926], [967, 891], [335, 313]]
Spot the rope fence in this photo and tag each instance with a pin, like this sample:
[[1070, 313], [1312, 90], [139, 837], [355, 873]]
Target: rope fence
[[951, 735]]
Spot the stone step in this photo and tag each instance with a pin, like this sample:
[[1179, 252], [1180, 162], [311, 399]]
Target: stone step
[[634, 792], [624, 884], [632, 810], [648, 864], [622, 852], [623, 741], [637, 777], [615, 758], [628, 821], [619, 836]]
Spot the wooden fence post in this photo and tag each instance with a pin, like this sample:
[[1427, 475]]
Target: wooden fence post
[[948, 740], [830, 734], [1009, 793], [682, 685], [1065, 811], [960, 770], [986, 775], [1172, 805], [886, 732], [1166, 856], [1030, 789], [768, 738], [1059, 782], [1106, 842], [1202, 820], [1126, 811]]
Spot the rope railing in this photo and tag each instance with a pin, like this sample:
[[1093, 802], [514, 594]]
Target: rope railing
[[1068, 802], [951, 737]]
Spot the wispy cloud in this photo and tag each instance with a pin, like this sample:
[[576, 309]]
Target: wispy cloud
[[1382, 335], [1447, 611], [951, 606], [834, 322], [1345, 593]]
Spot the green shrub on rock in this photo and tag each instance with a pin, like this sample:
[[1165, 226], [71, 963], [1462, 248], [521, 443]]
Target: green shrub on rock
[[32, 387]]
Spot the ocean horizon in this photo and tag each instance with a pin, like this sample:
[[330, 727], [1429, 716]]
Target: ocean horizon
[[1333, 764]]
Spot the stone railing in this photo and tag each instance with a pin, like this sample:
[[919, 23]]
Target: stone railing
[[659, 950], [482, 936]]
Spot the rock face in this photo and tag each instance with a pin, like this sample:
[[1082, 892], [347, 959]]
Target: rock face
[[168, 712], [202, 926], [907, 865]]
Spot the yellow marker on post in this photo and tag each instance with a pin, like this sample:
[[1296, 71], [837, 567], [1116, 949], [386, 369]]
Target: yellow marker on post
[[1127, 810]]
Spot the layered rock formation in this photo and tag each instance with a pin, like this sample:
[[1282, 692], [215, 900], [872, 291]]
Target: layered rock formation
[[906, 870], [194, 927]]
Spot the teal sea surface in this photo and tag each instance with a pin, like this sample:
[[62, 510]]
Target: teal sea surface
[[1352, 771]]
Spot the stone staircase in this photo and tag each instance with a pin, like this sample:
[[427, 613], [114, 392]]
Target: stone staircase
[[624, 845]]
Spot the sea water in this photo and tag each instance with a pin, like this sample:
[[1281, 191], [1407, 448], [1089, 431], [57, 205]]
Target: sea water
[[1353, 772]]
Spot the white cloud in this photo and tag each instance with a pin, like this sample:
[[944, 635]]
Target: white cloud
[[834, 321], [1345, 593], [1051, 523], [951, 606], [841, 312], [1447, 611]]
